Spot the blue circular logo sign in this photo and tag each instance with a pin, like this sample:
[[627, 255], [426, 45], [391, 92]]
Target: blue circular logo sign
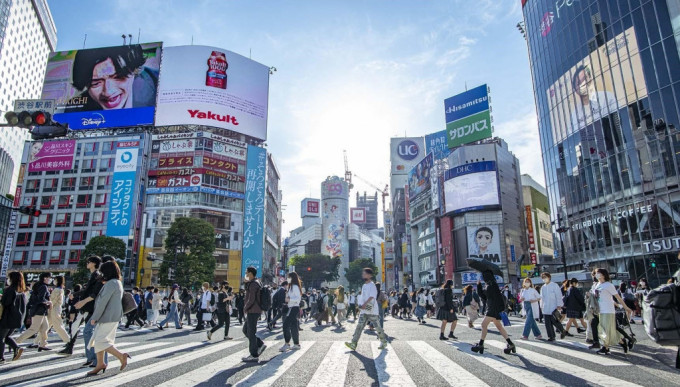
[[408, 150], [126, 157]]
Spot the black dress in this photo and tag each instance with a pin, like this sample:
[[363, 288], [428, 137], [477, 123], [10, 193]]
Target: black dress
[[444, 313], [494, 299], [14, 309]]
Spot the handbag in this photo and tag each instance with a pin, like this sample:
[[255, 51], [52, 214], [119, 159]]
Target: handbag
[[128, 302], [505, 319], [206, 316], [557, 315]]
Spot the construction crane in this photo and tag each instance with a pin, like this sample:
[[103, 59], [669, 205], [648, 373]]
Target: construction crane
[[348, 173], [384, 191]]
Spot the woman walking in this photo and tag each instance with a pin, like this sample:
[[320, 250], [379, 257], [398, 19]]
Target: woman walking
[[495, 304], [421, 302], [185, 310], [575, 303], [447, 313], [529, 298], [156, 306], [108, 310], [605, 292], [340, 304], [54, 315], [222, 305], [13, 310], [174, 303], [290, 321], [471, 305], [39, 305]]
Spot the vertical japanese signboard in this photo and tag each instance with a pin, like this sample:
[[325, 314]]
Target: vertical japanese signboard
[[253, 217], [8, 245], [121, 205]]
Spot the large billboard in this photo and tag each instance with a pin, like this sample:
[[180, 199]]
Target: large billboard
[[357, 215], [51, 155], [468, 118], [471, 187], [104, 87], [484, 242], [310, 208], [584, 95], [253, 214], [419, 178], [211, 86], [405, 152], [122, 203], [437, 144]]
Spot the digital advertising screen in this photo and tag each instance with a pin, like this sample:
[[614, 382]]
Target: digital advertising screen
[[471, 187]]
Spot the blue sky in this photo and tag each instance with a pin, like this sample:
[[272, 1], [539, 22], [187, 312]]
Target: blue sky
[[351, 74]]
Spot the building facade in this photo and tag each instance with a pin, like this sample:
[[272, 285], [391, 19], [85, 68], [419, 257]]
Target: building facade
[[370, 203], [606, 78], [27, 36], [537, 217]]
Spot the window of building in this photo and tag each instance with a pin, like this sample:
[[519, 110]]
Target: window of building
[[56, 256], [33, 185], [63, 220], [78, 237], [100, 200], [76, 166], [45, 220], [50, 185], [29, 201], [81, 218], [20, 257], [83, 200], [91, 148], [41, 238], [108, 147], [37, 257], [104, 182], [68, 184], [24, 239], [25, 221], [65, 201], [59, 238], [96, 233], [86, 183], [74, 256], [98, 218], [46, 202], [106, 165], [89, 165]]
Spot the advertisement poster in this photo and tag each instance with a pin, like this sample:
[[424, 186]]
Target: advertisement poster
[[484, 242], [121, 206], [437, 144], [468, 117], [357, 215], [584, 95], [471, 277], [471, 187], [211, 86], [173, 162], [311, 207], [405, 152], [175, 146], [104, 87], [335, 213], [51, 155], [419, 178], [253, 216]]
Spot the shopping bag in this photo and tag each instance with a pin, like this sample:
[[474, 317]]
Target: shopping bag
[[505, 319], [206, 316]]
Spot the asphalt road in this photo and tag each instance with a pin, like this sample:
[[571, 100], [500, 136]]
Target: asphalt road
[[415, 357]]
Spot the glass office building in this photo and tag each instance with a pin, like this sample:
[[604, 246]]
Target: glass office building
[[606, 80]]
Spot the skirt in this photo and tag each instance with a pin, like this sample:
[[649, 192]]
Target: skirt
[[104, 336], [444, 314], [609, 336], [574, 313], [420, 311]]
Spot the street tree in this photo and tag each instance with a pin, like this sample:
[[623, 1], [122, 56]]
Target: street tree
[[189, 247], [316, 268], [353, 272], [99, 245]]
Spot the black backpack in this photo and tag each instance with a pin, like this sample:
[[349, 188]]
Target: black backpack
[[661, 315], [321, 303], [265, 298]]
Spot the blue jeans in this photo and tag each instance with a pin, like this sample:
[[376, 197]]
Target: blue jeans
[[530, 323], [88, 331], [172, 315]]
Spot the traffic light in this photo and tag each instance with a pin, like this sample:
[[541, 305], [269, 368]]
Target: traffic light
[[171, 274], [309, 268], [536, 273], [39, 122], [652, 263], [32, 211]]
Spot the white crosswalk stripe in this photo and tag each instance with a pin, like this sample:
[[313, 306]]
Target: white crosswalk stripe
[[332, 370], [267, 375], [591, 357], [447, 368], [52, 356], [391, 372]]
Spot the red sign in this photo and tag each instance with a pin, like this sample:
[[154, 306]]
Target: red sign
[[128, 144], [176, 162], [17, 196], [312, 207], [532, 242], [212, 162], [197, 171], [533, 258], [357, 215], [174, 181]]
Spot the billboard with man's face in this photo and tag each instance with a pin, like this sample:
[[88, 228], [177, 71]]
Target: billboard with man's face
[[104, 87], [484, 242]]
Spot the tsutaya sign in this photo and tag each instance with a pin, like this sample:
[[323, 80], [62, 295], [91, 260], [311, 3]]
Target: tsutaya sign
[[637, 208], [662, 245]]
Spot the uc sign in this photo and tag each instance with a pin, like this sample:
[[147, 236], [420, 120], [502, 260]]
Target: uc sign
[[407, 150]]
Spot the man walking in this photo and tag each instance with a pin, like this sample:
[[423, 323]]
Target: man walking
[[206, 305], [253, 310], [352, 306], [551, 299], [368, 307], [278, 302]]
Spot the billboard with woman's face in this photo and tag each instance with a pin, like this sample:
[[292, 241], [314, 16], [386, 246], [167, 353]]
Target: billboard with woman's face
[[104, 87]]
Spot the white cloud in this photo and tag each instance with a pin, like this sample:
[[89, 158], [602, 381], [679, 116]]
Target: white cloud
[[521, 134]]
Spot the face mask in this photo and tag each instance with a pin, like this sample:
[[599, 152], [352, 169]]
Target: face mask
[[598, 276], [643, 284], [246, 277], [545, 280]]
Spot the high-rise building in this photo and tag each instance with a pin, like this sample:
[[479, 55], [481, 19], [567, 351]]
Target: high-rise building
[[606, 78], [27, 36], [537, 217], [370, 203]]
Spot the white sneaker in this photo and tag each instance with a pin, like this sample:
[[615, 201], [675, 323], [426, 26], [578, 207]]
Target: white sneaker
[[249, 359], [296, 347], [284, 348]]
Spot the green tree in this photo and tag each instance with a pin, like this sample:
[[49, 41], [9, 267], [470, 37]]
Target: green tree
[[314, 269], [189, 248], [99, 245], [353, 273]]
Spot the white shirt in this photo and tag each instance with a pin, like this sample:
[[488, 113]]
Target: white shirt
[[430, 300], [530, 294], [352, 299], [551, 297], [294, 296], [205, 299], [367, 291], [605, 293]]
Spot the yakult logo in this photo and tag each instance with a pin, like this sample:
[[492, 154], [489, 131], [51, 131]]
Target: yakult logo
[[212, 116], [407, 150]]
